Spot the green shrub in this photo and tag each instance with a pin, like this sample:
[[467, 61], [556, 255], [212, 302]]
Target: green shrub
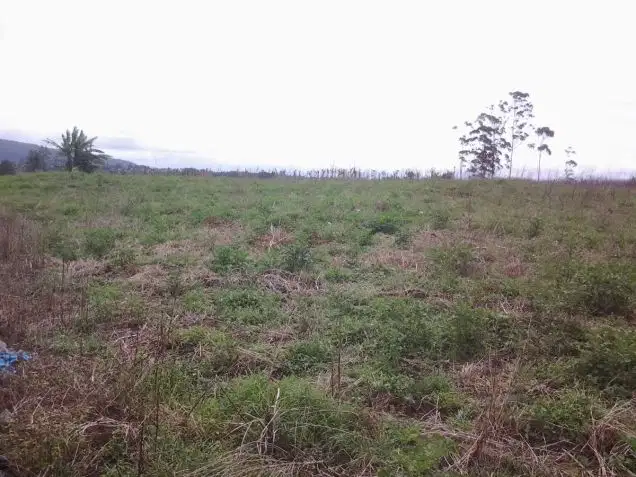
[[534, 228], [392, 330], [386, 224], [557, 336], [296, 257], [365, 238], [71, 210], [8, 168], [608, 361], [307, 357], [62, 246], [304, 419], [196, 301], [458, 260], [99, 242], [420, 393], [214, 351], [374, 381], [123, 258], [228, 259], [440, 218], [603, 289], [248, 306], [105, 302], [403, 238], [564, 416], [406, 451], [467, 334], [338, 275]]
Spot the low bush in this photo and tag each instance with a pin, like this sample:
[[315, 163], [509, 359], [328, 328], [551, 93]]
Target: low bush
[[603, 289], [248, 306], [296, 257], [455, 260], [608, 361], [386, 224], [440, 218], [214, 351], [99, 242], [229, 259], [566, 416], [307, 357]]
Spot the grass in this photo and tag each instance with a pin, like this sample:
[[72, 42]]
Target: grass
[[218, 326]]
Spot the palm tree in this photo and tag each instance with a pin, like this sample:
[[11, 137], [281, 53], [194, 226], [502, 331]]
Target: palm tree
[[79, 151]]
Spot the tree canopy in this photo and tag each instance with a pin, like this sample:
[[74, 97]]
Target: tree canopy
[[79, 150]]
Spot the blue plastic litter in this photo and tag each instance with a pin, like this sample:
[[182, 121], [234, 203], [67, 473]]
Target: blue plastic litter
[[8, 358]]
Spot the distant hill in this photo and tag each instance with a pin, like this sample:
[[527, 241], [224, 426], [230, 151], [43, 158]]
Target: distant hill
[[16, 151]]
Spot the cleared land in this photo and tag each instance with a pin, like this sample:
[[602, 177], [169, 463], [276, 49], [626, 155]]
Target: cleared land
[[195, 326]]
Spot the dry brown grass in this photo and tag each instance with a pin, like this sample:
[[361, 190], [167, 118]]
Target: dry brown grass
[[385, 254], [178, 247], [287, 283], [221, 231], [425, 240], [150, 280], [63, 407], [24, 295], [274, 238]]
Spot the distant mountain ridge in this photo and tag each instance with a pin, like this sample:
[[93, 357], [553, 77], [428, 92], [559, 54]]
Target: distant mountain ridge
[[17, 152]]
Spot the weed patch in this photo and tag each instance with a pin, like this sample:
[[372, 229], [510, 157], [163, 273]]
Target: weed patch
[[99, 242]]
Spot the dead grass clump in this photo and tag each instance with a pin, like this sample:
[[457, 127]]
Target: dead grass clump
[[250, 361], [222, 231], [339, 260], [609, 437], [150, 280], [386, 255], [477, 377], [69, 413], [201, 275], [213, 221], [403, 259], [25, 296], [515, 268], [20, 242], [315, 239], [177, 247], [278, 335], [87, 268], [382, 206], [424, 240], [287, 283], [274, 238]]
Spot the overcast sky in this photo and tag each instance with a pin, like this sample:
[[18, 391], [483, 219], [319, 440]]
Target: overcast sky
[[370, 83]]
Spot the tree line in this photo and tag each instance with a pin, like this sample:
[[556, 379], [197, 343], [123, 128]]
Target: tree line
[[489, 142], [487, 145]]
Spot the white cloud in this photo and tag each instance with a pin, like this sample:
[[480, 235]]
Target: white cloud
[[378, 84]]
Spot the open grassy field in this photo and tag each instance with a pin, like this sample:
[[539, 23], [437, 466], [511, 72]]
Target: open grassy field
[[233, 327]]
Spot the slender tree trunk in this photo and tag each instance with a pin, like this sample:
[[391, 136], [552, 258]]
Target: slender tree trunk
[[512, 137], [539, 167], [512, 150]]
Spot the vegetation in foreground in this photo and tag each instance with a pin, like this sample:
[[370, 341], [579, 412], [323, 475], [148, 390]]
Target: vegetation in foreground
[[196, 326]]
